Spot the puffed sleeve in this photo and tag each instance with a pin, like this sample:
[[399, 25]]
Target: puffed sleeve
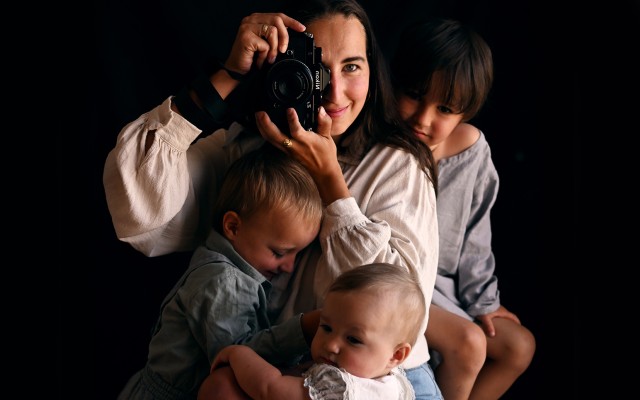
[[160, 199], [391, 217]]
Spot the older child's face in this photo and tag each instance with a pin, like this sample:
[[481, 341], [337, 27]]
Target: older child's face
[[431, 120], [270, 239], [344, 52], [357, 332]]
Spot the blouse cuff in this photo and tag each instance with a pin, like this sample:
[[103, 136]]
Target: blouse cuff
[[171, 127], [340, 214]]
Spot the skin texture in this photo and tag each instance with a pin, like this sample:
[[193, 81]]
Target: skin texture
[[437, 125], [434, 124], [344, 52], [479, 361], [359, 331], [269, 240], [343, 42]]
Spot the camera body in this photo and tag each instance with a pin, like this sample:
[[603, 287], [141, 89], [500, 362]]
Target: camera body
[[296, 80]]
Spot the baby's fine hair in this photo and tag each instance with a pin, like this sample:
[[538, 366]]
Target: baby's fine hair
[[446, 56], [391, 279], [268, 179]]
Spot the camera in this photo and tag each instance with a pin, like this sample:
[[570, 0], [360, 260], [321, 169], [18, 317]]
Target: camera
[[296, 80]]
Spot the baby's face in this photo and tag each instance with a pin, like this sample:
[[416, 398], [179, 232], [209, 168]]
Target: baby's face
[[357, 333]]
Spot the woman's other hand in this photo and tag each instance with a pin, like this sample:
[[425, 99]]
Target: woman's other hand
[[260, 37]]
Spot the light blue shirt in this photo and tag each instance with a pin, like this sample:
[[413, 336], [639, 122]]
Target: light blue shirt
[[220, 300]]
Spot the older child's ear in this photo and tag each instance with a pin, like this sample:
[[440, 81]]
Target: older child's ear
[[400, 354], [230, 223]]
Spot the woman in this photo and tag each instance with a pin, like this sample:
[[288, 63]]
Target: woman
[[375, 178]]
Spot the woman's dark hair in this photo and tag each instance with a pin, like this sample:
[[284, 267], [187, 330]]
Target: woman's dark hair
[[379, 120], [446, 56]]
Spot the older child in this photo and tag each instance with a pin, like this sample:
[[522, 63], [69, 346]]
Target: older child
[[268, 210], [443, 72], [368, 325]]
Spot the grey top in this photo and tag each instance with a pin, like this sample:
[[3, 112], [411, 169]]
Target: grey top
[[220, 300], [467, 189]]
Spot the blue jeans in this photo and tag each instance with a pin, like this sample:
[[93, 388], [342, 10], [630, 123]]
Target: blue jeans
[[424, 383]]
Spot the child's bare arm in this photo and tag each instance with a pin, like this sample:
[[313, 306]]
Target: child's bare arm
[[259, 379]]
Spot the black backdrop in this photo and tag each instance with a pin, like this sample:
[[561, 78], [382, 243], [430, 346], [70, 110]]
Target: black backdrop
[[147, 50]]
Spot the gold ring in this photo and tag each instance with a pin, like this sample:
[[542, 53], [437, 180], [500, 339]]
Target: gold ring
[[264, 30], [287, 143]]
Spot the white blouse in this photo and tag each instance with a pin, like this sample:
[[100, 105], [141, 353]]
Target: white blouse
[[161, 202]]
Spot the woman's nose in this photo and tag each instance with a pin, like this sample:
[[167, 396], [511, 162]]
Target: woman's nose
[[332, 92]]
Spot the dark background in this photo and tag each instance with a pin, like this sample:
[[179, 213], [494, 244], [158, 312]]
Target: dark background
[[146, 51]]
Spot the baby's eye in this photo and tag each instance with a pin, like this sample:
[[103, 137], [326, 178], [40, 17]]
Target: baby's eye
[[325, 327], [353, 340]]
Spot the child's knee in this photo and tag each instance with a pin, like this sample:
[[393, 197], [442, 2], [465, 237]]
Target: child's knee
[[474, 339], [524, 348], [472, 345]]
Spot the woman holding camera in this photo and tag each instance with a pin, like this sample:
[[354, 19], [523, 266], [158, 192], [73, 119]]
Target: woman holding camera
[[376, 179]]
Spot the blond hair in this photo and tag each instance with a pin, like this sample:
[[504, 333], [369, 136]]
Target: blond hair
[[268, 179], [393, 280]]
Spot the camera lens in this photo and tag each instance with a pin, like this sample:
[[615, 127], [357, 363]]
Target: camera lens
[[290, 81]]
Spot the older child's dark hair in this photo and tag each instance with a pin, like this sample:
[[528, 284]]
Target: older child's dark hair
[[379, 121], [446, 56]]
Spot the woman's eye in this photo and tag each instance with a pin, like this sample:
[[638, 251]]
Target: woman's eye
[[277, 254], [351, 67]]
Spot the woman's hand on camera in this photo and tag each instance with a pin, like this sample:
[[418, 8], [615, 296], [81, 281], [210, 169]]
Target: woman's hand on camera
[[260, 37], [316, 151]]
